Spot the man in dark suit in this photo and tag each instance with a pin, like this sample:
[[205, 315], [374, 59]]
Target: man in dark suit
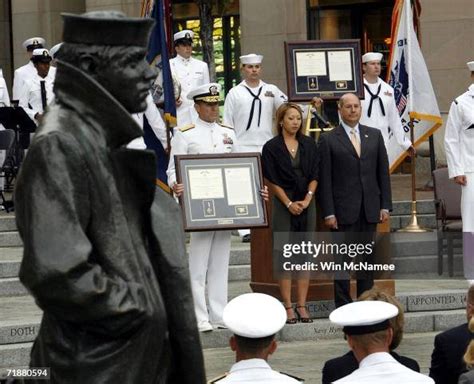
[[449, 347], [355, 191]]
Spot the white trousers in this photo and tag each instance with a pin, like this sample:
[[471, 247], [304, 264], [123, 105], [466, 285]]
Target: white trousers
[[467, 212], [209, 254]]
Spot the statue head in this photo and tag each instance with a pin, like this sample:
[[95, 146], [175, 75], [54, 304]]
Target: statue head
[[110, 48]]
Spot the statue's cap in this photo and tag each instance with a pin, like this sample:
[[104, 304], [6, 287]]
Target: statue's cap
[[106, 28]]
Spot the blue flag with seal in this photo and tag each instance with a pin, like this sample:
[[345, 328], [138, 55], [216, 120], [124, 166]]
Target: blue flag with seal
[[163, 89]]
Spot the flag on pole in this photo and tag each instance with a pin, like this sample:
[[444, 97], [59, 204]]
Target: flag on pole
[[409, 77], [163, 89]]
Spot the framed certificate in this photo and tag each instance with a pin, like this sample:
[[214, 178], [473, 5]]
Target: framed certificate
[[326, 69], [221, 191]]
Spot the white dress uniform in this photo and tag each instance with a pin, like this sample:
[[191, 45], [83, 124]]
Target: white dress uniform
[[459, 146], [30, 95], [209, 251], [190, 73], [156, 123], [387, 120], [382, 368], [245, 106], [255, 371]]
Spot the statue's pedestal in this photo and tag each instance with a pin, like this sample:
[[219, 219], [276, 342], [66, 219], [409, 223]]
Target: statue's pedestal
[[262, 274]]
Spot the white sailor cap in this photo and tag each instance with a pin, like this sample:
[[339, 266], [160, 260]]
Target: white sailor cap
[[185, 34], [254, 315], [55, 50], [251, 58], [363, 317], [470, 65], [41, 55], [208, 93], [33, 43], [372, 56]]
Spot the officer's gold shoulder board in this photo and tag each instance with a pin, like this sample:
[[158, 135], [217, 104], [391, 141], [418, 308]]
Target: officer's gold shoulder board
[[187, 127], [293, 377], [225, 126], [216, 380]]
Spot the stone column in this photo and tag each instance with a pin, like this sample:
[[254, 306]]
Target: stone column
[[39, 18], [265, 26]]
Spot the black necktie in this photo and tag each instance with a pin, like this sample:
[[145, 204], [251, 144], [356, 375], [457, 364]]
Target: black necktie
[[255, 99], [43, 94], [374, 97]]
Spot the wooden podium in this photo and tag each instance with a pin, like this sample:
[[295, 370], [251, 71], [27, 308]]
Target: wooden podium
[[262, 270]]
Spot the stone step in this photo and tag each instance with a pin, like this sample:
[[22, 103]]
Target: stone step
[[14, 355], [404, 207], [10, 239], [21, 317], [7, 222], [17, 355], [424, 220], [10, 259], [322, 329], [11, 286]]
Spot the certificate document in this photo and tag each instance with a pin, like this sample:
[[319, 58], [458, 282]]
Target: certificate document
[[340, 66], [311, 63], [238, 183], [206, 183]]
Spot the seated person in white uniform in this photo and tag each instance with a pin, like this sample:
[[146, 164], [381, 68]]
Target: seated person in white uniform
[[254, 319], [369, 335]]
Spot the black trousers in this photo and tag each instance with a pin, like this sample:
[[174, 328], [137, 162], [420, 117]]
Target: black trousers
[[342, 294]]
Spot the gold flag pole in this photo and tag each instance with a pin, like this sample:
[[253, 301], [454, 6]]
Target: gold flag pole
[[413, 226], [307, 126]]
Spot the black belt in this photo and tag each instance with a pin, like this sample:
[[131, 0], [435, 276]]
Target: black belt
[[255, 99], [374, 97]]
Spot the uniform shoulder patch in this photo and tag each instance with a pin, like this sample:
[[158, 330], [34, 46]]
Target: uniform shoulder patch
[[216, 380], [225, 126], [455, 102], [187, 127]]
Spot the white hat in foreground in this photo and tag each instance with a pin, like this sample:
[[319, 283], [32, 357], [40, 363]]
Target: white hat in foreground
[[364, 317], [207, 92], [470, 65], [33, 43], [184, 34], [251, 58], [254, 315], [372, 56], [41, 55]]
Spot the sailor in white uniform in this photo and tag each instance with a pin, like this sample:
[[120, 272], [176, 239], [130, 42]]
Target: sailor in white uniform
[[459, 146], [378, 107], [28, 70], [190, 73], [367, 328], [254, 319], [53, 52], [37, 90], [250, 106], [209, 251]]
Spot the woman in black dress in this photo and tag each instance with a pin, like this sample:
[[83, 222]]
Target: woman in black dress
[[290, 166]]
